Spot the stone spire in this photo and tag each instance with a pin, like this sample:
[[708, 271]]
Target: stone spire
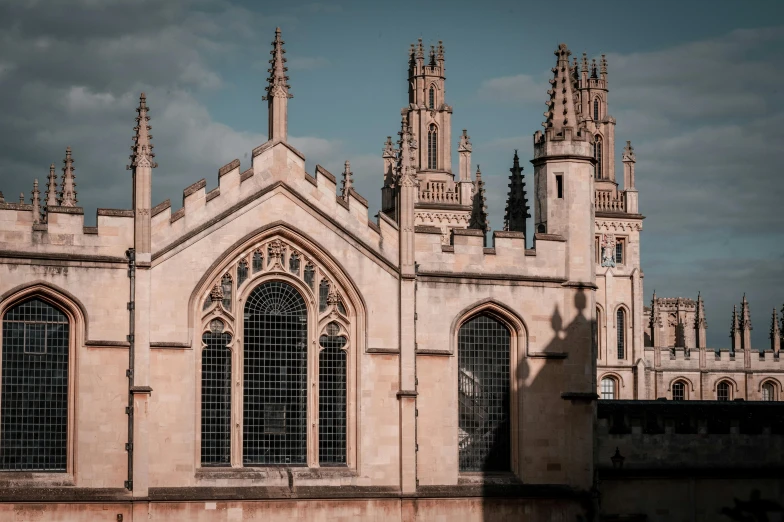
[[603, 69], [51, 189], [440, 55], [36, 203], [700, 322], [277, 91], [142, 148], [745, 324], [734, 329], [478, 220], [561, 112], [348, 183], [68, 189], [775, 334], [388, 195], [21, 198], [594, 74], [516, 202], [629, 159]]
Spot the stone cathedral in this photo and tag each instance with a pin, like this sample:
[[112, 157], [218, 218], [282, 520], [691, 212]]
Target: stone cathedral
[[269, 352]]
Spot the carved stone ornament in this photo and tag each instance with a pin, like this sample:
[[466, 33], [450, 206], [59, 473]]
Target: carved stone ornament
[[608, 250], [216, 294], [216, 326]]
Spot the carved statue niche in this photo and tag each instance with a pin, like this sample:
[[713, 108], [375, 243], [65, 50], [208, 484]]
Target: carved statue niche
[[608, 250]]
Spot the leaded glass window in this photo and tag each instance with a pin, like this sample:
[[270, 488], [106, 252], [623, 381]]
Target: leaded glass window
[[242, 272], [483, 349], [432, 98], [34, 388], [619, 252], [723, 391], [275, 376], [332, 397], [432, 147], [226, 286], [598, 156], [608, 388], [596, 109], [258, 261], [216, 397], [294, 263], [678, 391], [768, 392], [620, 323]]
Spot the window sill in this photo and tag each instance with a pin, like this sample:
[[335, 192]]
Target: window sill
[[485, 478], [29, 479], [276, 475]]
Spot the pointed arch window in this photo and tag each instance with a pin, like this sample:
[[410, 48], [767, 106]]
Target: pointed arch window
[[432, 98], [432, 147], [598, 156], [679, 391], [609, 387], [332, 396], [34, 388], [723, 391], [620, 322], [216, 397], [596, 109], [483, 358], [768, 392]]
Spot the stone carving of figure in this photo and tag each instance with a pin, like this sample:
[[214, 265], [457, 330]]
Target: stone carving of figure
[[608, 250]]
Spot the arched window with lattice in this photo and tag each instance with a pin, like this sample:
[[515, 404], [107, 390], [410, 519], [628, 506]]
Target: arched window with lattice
[[620, 325], [431, 97], [598, 156], [609, 388], [432, 147]]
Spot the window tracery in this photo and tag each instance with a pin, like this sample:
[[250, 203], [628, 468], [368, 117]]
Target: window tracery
[[291, 333], [432, 147]]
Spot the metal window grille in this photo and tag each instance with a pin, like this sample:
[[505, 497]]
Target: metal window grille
[[323, 294], [216, 399], [768, 393], [310, 275], [483, 395], [242, 272], [621, 327], [608, 388], [598, 150], [258, 261], [275, 376], [432, 147], [332, 400], [723, 391], [226, 287], [294, 263], [34, 389], [619, 252], [679, 391]]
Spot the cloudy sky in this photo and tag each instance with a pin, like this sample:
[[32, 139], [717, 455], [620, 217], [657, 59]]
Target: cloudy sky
[[696, 90]]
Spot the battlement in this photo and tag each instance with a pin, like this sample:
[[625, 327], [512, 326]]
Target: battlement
[[569, 143], [507, 257], [275, 164]]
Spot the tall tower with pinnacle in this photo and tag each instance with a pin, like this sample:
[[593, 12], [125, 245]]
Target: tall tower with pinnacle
[[277, 92], [442, 200]]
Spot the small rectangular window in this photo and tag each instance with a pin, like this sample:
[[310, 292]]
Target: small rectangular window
[[559, 185], [619, 252]]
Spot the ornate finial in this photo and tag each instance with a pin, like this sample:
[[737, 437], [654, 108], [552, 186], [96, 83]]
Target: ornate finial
[[774, 326], [478, 219], [593, 69], [700, 320], [2, 198], [734, 327], [348, 184], [464, 145], [628, 152], [584, 68], [51, 188], [216, 294], [604, 67], [142, 155], [745, 317], [432, 56], [517, 208], [68, 189], [420, 53], [36, 203], [277, 83], [21, 198], [561, 105], [440, 52]]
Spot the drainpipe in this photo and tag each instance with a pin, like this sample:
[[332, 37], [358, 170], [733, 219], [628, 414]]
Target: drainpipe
[[131, 255]]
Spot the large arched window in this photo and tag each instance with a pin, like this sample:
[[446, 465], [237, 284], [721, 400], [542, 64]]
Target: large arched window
[[768, 392], [620, 324], [275, 376], [276, 385], [723, 391], [432, 147], [432, 98], [597, 149], [483, 355], [34, 389], [609, 388], [679, 391]]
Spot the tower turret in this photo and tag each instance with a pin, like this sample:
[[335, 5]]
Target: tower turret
[[516, 211], [277, 92], [563, 174]]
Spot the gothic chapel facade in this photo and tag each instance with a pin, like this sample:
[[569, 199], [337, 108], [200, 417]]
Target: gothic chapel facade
[[269, 351]]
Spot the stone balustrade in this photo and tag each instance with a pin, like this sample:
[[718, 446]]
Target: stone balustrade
[[609, 201]]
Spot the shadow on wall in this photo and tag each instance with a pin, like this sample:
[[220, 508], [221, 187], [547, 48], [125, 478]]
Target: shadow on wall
[[756, 509], [497, 505]]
